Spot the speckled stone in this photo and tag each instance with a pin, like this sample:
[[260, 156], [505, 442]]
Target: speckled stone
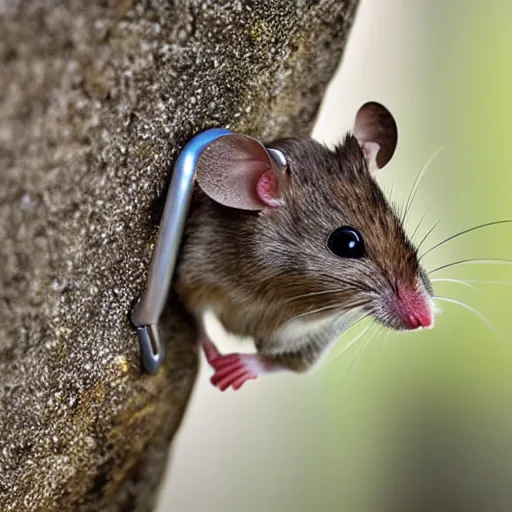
[[96, 100]]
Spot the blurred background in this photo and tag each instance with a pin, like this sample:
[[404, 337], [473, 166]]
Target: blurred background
[[417, 421]]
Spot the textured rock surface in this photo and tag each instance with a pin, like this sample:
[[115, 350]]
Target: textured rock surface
[[96, 100]]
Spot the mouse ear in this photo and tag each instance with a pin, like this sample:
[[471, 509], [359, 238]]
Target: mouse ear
[[376, 131], [237, 171]]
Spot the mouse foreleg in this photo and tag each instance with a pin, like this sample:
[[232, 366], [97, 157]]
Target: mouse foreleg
[[233, 370]]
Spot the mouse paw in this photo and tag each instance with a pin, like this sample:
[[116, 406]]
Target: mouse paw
[[233, 370]]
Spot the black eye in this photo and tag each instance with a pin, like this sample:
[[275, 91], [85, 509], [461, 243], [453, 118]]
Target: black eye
[[346, 242]]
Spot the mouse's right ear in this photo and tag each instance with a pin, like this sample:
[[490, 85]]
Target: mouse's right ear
[[237, 171], [376, 131]]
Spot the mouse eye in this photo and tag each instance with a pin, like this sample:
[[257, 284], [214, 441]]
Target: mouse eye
[[346, 242]]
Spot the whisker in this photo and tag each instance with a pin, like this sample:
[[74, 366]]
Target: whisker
[[488, 261], [357, 322], [350, 327], [384, 336], [466, 231], [481, 281], [457, 281], [419, 224], [346, 307], [350, 344], [431, 230], [386, 339], [418, 181], [323, 292], [315, 311], [391, 193], [342, 314], [363, 346], [402, 217], [398, 209], [474, 311], [353, 356]]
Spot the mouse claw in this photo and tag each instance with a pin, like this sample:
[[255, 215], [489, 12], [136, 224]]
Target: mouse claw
[[234, 370]]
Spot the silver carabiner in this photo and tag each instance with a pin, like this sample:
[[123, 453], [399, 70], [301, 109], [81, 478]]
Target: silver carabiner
[[147, 311]]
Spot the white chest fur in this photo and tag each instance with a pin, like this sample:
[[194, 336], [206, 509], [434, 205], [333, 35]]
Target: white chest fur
[[295, 333], [291, 337]]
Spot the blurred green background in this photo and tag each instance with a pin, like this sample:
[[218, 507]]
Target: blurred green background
[[417, 421]]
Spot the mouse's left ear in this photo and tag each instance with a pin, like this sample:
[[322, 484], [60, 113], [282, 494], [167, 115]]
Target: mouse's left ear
[[238, 171], [376, 131]]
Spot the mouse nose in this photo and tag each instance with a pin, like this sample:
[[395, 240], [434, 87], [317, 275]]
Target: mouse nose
[[416, 320], [414, 309]]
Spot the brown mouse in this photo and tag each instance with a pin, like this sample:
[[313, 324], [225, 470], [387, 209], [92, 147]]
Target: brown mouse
[[284, 253]]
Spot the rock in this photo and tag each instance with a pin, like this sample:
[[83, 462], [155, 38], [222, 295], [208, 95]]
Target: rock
[[96, 100]]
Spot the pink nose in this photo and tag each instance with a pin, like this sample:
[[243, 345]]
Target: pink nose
[[413, 307], [416, 320]]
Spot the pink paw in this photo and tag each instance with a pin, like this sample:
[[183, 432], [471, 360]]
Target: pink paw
[[234, 370]]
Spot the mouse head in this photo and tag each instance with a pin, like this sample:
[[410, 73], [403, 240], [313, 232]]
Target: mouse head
[[317, 235]]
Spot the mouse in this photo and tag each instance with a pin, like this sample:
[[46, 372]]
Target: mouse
[[287, 249]]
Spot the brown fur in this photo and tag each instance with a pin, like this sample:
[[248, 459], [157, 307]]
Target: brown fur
[[249, 266]]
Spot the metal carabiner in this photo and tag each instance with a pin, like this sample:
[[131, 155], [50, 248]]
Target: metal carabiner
[[147, 311]]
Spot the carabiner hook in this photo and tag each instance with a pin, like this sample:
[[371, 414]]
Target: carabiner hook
[[147, 311]]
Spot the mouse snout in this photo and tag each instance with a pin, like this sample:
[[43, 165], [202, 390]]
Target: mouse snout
[[416, 321], [413, 308]]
